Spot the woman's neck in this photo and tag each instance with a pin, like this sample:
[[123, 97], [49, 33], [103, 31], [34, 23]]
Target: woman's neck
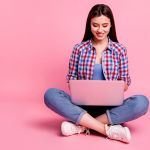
[[100, 42]]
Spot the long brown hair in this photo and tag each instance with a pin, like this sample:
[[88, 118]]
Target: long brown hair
[[96, 11]]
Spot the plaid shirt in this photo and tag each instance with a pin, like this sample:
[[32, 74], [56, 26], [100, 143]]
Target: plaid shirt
[[114, 62]]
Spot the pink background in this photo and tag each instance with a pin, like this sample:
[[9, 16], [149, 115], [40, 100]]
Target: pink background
[[36, 39]]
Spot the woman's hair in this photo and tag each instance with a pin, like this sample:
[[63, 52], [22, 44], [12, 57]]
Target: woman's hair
[[96, 11]]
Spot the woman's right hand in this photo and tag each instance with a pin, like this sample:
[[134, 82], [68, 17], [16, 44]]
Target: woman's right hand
[[68, 86]]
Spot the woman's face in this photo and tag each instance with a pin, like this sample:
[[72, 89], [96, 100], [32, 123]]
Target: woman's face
[[100, 27]]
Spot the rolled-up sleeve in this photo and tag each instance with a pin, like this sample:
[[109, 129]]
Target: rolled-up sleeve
[[123, 67], [73, 65]]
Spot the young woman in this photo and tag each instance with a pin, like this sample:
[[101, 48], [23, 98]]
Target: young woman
[[98, 57]]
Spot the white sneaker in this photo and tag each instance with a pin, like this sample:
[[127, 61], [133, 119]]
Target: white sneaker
[[117, 132], [68, 128]]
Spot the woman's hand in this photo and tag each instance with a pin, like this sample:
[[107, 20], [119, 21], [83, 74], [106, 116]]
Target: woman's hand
[[125, 86], [68, 86]]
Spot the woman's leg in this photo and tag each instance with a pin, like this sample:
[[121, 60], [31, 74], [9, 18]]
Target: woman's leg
[[132, 108], [88, 121], [60, 102], [103, 118]]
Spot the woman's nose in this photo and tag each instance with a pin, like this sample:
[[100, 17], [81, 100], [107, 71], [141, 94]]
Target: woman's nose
[[100, 29]]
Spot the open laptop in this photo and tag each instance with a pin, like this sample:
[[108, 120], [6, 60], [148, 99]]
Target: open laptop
[[97, 92]]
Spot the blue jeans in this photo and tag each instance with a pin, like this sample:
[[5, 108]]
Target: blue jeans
[[60, 102]]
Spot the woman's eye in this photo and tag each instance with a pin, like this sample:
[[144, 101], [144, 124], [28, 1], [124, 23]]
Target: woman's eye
[[95, 25]]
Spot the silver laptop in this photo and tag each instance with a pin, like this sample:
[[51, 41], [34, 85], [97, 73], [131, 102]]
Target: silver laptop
[[97, 92]]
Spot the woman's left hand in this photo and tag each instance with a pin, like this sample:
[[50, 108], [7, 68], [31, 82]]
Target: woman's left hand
[[125, 86]]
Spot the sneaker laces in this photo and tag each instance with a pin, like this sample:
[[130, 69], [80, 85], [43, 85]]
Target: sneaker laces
[[81, 129], [87, 132]]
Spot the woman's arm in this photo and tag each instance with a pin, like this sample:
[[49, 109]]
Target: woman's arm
[[73, 65], [124, 70]]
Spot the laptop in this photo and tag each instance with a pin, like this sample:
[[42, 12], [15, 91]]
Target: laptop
[[97, 92]]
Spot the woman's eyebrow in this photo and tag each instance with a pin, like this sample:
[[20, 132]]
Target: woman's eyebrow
[[98, 23], [95, 23], [105, 23]]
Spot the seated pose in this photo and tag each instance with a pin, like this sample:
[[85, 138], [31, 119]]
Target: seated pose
[[98, 57]]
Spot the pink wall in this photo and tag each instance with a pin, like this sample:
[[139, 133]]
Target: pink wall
[[37, 36]]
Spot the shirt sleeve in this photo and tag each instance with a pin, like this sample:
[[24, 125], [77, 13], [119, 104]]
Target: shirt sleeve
[[73, 65], [123, 67]]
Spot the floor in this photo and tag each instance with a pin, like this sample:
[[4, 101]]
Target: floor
[[27, 124]]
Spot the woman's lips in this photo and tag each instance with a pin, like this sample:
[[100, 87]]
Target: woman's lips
[[99, 34]]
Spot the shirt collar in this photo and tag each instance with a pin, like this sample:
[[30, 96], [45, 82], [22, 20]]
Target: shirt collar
[[109, 46]]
